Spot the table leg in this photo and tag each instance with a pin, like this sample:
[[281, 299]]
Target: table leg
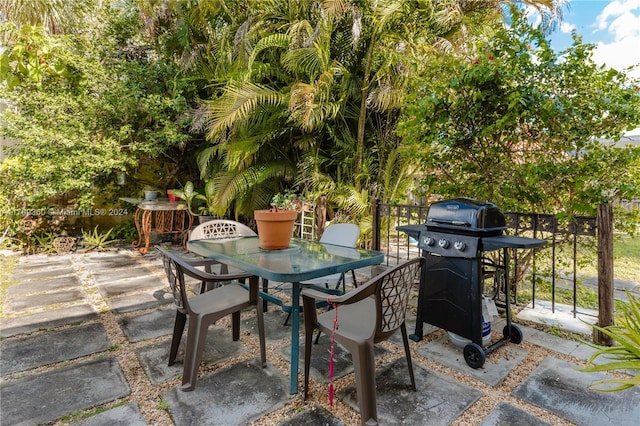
[[295, 337], [138, 222], [147, 217]]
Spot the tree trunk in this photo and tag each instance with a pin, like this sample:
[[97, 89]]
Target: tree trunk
[[362, 119]]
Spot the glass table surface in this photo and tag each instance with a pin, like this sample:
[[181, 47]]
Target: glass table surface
[[303, 260]]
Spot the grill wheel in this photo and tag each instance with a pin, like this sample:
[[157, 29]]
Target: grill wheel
[[474, 355], [513, 333]]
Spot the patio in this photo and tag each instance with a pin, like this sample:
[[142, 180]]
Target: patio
[[85, 339]]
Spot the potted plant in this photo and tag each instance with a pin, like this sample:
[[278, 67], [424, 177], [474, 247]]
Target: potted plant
[[189, 194], [150, 193], [171, 196], [275, 225], [207, 212]]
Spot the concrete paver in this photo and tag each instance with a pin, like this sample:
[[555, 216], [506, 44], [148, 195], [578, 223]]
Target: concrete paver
[[131, 284], [47, 396], [561, 316], [496, 368], [558, 387], [41, 271], [236, 395], [315, 415], [65, 347], [218, 347], [124, 415], [63, 282], [51, 347], [48, 319], [319, 370], [148, 326], [37, 301], [506, 414], [109, 276], [438, 400], [139, 301]]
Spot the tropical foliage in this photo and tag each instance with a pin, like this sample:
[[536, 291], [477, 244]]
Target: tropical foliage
[[82, 108], [519, 124], [254, 97], [307, 94], [624, 356]]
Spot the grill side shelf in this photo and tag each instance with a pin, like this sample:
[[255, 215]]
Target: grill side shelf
[[510, 241], [412, 230]]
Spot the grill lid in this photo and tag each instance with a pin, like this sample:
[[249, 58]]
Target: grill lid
[[466, 216]]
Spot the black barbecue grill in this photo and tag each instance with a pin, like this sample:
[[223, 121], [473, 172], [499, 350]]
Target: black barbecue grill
[[453, 241]]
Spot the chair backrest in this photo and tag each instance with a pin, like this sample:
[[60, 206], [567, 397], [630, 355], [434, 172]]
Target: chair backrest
[[341, 234], [220, 229], [392, 296], [176, 280]]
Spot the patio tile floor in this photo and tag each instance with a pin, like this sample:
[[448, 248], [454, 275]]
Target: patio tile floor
[[48, 373]]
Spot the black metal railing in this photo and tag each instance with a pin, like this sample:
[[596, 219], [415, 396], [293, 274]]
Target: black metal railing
[[398, 246]]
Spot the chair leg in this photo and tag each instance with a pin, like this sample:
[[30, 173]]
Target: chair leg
[[407, 352], [178, 329], [365, 375], [308, 337], [265, 289], [196, 336], [235, 326], [261, 334]]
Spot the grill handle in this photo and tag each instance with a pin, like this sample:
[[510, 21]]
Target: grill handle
[[451, 222]]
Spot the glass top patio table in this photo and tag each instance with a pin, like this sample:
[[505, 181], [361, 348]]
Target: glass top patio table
[[302, 261]]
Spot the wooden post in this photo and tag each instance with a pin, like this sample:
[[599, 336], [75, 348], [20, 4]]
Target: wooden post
[[605, 272], [321, 218], [375, 225]]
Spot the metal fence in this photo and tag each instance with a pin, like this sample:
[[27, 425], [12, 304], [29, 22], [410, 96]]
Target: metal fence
[[398, 246], [628, 204]]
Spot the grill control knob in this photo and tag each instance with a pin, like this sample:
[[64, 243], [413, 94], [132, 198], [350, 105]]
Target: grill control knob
[[460, 245], [429, 241], [443, 243]]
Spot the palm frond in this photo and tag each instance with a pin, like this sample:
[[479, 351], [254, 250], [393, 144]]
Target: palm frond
[[236, 104], [271, 41], [234, 186], [301, 34], [336, 7], [385, 11], [309, 61], [624, 356]]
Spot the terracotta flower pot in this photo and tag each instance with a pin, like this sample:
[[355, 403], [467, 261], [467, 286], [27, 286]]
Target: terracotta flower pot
[[170, 195], [275, 228]]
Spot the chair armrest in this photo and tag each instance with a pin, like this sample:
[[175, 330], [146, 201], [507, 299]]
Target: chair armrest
[[198, 274], [205, 276], [353, 296], [317, 294], [195, 261]]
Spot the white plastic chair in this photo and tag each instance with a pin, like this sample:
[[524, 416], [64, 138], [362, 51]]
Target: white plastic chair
[[219, 229], [339, 234]]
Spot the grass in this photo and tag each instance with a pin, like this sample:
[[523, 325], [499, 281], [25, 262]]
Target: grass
[[626, 258], [626, 253], [7, 265]]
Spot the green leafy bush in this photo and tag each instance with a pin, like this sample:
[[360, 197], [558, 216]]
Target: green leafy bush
[[624, 356], [95, 240]]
